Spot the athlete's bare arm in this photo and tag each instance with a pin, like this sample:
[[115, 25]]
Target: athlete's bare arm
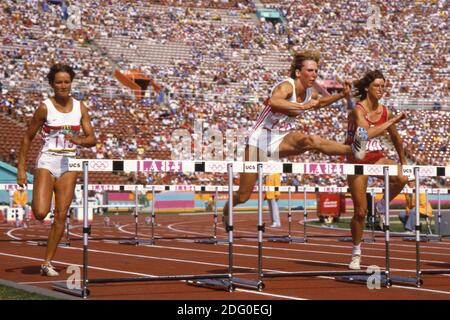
[[325, 101], [88, 139], [357, 115], [279, 103], [36, 123], [397, 141]]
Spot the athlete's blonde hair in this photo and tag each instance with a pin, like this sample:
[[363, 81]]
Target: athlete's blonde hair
[[300, 57]]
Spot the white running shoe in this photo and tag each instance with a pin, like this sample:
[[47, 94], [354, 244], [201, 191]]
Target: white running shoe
[[360, 143], [275, 225], [48, 270], [356, 263]]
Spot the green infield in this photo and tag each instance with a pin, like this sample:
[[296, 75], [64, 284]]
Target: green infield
[[9, 293]]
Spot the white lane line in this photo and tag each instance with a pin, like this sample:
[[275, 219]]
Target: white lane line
[[380, 243], [310, 251], [304, 251], [203, 263], [150, 275]]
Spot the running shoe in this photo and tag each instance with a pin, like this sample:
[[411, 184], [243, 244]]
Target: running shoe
[[359, 143], [275, 225], [48, 270], [355, 264]]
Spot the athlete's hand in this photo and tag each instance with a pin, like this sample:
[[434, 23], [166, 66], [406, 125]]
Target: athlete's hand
[[399, 117], [21, 178], [347, 84], [312, 104], [71, 138]]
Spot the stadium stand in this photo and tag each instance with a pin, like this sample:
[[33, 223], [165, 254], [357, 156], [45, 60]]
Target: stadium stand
[[216, 61]]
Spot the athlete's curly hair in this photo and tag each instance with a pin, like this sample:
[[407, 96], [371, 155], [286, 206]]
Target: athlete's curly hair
[[60, 67], [362, 84], [300, 57]]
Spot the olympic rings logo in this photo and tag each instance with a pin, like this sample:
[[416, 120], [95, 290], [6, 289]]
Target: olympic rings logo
[[271, 167], [217, 167], [374, 171], [426, 171], [98, 165]]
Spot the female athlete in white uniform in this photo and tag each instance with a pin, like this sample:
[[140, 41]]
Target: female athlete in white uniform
[[275, 135], [61, 117]]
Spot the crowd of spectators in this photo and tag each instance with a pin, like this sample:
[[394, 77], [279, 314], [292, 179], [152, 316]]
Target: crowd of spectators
[[230, 61]]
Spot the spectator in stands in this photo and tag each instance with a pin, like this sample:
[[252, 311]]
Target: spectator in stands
[[376, 119], [59, 118]]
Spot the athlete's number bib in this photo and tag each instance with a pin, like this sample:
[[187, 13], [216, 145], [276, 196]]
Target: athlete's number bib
[[374, 145]]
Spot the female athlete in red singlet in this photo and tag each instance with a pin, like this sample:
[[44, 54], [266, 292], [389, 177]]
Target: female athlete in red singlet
[[376, 119]]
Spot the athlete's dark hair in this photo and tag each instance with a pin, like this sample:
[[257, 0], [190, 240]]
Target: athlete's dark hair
[[362, 84], [59, 67]]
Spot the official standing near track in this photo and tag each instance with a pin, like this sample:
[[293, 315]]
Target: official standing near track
[[60, 119]]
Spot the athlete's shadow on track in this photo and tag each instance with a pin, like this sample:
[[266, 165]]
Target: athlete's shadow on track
[[322, 264], [235, 270], [438, 264], [28, 269]]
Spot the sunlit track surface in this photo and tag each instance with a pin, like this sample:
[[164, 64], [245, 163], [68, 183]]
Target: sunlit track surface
[[175, 252]]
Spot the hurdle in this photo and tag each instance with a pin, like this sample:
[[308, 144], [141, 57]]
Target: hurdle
[[213, 239], [289, 238], [224, 281], [354, 274]]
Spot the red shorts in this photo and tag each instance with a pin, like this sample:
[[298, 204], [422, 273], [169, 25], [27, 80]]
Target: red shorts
[[370, 158]]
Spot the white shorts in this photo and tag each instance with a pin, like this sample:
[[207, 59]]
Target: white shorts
[[56, 164], [267, 140]]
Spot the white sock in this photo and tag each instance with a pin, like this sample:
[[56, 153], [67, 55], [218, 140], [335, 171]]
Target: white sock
[[356, 251]]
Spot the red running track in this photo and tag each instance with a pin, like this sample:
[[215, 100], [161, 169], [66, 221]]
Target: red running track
[[20, 261]]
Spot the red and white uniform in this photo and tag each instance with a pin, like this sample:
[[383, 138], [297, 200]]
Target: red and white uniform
[[56, 150], [271, 127], [374, 148]]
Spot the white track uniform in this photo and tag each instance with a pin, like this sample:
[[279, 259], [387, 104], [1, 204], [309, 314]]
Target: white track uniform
[[271, 127], [56, 150]]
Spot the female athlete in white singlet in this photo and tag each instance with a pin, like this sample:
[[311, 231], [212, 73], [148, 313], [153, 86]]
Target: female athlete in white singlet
[[60, 119], [275, 134]]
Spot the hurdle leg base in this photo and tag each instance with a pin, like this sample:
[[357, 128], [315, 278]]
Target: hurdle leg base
[[424, 238], [217, 284], [436, 271], [137, 242], [349, 239], [248, 284], [62, 287], [283, 239], [210, 241], [287, 239], [64, 244], [407, 281], [363, 279]]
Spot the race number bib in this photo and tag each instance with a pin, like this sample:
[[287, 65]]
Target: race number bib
[[374, 145]]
